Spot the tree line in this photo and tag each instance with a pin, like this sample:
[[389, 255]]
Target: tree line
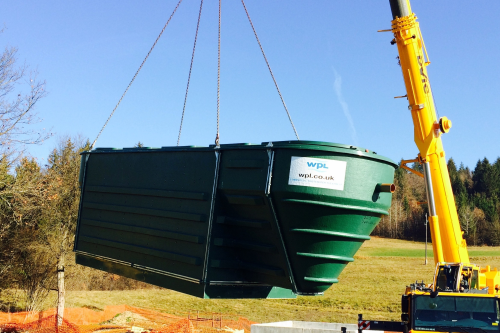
[[39, 202], [39, 208], [38, 217], [476, 192]]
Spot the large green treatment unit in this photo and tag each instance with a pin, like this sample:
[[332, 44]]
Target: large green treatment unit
[[275, 220]]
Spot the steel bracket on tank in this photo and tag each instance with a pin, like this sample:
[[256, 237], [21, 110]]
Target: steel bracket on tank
[[270, 153], [83, 170], [211, 215]]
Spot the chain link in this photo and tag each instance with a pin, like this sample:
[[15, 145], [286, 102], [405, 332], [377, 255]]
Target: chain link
[[217, 139], [136, 73], [270, 71], [190, 69], [218, 79]]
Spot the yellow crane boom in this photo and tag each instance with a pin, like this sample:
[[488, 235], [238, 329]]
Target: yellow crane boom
[[447, 241]]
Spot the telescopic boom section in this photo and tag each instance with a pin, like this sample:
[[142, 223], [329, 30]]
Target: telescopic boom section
[[447, 241]]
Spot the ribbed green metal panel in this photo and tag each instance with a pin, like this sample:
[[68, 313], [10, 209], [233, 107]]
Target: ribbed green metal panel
[[324, 228], [230, 221]]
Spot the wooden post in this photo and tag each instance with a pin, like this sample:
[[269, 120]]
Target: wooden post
[[60, 290]]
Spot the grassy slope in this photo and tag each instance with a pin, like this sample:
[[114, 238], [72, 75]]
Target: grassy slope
[[371, 285]]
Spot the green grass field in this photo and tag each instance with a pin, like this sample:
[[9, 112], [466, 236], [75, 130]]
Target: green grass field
[[371, 285], [382, 247]]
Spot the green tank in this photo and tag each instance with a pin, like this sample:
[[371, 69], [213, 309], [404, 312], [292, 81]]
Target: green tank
[[275, 220]]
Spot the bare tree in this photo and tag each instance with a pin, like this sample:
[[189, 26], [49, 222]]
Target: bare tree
[[34, 270], [21, 204], [20, 91]]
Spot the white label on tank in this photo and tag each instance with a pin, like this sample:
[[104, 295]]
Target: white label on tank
[[317, 172]]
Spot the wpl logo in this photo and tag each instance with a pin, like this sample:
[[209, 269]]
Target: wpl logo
[[317, 172], [317, 165]]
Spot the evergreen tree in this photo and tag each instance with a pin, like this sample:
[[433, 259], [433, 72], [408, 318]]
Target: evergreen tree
[[400, 181], [466, 177], [459, 189], [479, 175], [452, 170], [492, 180], [418, 167], [58, 222], [488, 205]]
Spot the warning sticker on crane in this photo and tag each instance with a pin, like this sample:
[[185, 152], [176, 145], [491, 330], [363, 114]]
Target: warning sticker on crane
[[317, 172], [363, 325]]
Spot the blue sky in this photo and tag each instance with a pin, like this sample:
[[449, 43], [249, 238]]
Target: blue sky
[[337, 74]]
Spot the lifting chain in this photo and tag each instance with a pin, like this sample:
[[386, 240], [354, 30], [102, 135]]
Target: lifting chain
[[269, 67], [136, 73], [190, 69], [217, 138]]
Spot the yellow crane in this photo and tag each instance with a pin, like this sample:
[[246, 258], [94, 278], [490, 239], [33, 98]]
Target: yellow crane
[[463, 297]]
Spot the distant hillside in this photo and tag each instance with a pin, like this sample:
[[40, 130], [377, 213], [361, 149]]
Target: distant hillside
[[477, 195]]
